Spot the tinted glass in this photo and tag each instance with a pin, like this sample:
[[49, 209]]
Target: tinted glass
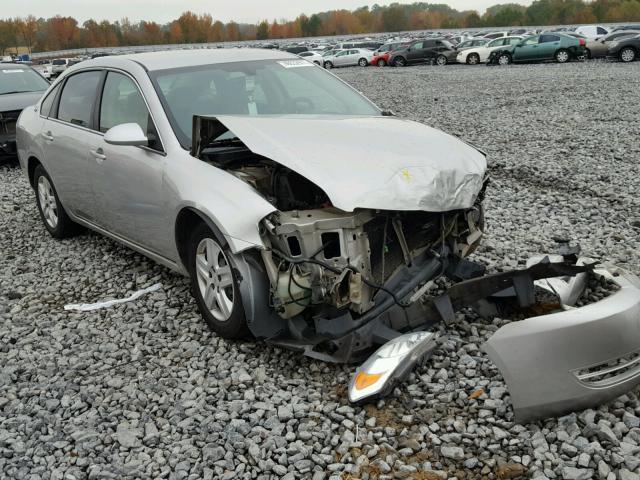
[[78, 95], [121, 103], [549, 38], [513, 41], [17, 80], [417, 46], [47, 103], [601, 31], [265, 87]]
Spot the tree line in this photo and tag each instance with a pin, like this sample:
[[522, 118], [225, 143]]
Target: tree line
[[60, 33]]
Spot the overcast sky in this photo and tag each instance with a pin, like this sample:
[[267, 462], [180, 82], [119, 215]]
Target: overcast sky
[[162, 11]]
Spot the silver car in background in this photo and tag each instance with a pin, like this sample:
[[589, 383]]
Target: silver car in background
[[349, 58]]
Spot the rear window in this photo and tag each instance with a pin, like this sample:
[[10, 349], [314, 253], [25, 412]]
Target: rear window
[[18, 80], [59, 62]]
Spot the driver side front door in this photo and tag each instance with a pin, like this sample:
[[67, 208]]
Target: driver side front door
[[527, 51], [128, 181]]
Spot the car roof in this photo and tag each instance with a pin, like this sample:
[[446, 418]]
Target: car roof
[[10, 66], [190, 58]]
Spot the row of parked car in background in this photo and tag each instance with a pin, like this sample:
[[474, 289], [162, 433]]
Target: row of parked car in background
[[495, 47]]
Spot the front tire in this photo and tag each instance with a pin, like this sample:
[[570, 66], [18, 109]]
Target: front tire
[[328, 65], [399, 62], [214, 284], [52, 213], [363, 62], [627, 54], [504, 59], [473, 59], [382, 63], [562, 56], [441, 60]]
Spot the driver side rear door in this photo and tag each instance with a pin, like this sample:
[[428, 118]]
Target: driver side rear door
[[548, 45]]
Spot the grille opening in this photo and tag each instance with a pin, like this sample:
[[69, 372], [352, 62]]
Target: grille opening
[[331, 242], [294, 246]]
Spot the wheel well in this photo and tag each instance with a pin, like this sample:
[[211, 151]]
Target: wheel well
[[32, 163], [186, 222]]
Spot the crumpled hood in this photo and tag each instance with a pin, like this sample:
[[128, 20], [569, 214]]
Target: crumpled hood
[[381, 163], [18, 101]]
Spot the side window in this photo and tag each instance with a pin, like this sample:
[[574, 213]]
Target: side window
[[531, 41], [514, 41], [418, 46], [78, 96], [549, 38], [601, 31], [47, 103], [121, 103]]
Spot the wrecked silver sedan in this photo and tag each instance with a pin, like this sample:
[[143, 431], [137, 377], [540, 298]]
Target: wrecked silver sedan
[[209, 163]]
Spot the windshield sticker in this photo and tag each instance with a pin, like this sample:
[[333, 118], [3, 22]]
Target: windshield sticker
[[13, 70], [295, 63]]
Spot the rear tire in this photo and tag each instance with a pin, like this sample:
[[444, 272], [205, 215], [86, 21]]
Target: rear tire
[[562, 56], [473, 59], [52, 213], [587, 54], [214, 284], [627, 54], [363, 62]]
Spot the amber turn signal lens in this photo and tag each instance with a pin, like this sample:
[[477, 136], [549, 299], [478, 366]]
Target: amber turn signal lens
[[363, 380]]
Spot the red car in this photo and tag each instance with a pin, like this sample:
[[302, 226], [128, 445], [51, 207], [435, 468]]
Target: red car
[[380, 59], [381, 55]]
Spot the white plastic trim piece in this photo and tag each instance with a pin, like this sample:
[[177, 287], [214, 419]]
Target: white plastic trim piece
[[87, 307]]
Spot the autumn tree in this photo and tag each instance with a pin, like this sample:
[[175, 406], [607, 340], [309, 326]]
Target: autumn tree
[[28, 28], [263, 30]]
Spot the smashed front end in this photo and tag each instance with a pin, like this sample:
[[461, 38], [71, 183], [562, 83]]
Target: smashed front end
[[343, 282]]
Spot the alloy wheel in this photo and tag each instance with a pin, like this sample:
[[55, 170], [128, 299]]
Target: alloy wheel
[[473, 59], [215, 279], [48, 201], [381, 63], [562, 56], [441, 60], [504, 60], [628, 55], [362, 62]]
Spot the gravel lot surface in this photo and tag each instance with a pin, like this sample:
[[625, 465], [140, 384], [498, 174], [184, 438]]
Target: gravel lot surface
[[143, 390]]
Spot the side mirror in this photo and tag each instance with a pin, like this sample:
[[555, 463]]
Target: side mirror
[[129, 134]]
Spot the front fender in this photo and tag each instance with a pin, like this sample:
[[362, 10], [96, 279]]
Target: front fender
[[232, 206]]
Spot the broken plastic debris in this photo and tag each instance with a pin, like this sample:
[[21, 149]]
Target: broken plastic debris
[[86, 307]]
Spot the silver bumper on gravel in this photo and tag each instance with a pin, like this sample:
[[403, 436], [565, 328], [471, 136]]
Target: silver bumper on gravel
[[574, 359]]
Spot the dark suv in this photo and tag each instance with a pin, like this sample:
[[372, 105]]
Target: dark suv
[[435, 50]]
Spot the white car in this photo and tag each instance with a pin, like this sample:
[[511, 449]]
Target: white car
[[313, 57], [349, 57], [44, 70], [494, 35], [59, 65], [476, 55], [592, 31]]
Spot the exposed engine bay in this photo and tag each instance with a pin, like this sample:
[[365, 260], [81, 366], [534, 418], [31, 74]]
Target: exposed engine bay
[[323, 259]]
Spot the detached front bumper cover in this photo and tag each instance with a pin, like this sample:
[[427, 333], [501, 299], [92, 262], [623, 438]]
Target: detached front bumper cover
[[574, 359], [570, 360]]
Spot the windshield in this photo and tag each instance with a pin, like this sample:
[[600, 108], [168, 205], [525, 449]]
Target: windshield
[[265, 87], [16, 80]]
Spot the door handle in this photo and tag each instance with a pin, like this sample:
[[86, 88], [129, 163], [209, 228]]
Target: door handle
[[98, 154], [48, 136]]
